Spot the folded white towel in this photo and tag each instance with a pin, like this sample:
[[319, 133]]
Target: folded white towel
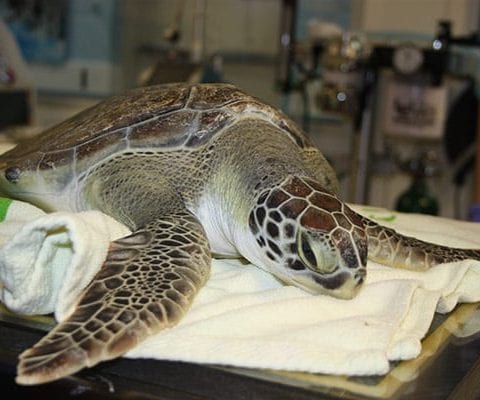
[[47, 259], [244, 316]]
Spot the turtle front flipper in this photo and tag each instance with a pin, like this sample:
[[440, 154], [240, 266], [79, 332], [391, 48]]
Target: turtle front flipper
[[146, 284], [388, 247]]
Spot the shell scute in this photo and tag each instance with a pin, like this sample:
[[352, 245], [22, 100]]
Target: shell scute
[[210, 122], [114, 114], [99, 147], [167, 130]]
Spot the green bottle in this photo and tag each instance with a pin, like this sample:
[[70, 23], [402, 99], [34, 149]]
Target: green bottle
[[417, 199]]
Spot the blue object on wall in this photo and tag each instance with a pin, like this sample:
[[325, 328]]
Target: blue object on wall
[[63, 29], [39, 28], [91, 32]]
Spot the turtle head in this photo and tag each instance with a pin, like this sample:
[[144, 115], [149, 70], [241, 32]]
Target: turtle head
[[309, 238], [21, 178], [14, 175], [16, 181]]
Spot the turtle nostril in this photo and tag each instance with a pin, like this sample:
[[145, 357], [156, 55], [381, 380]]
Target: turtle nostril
[[12, 174]]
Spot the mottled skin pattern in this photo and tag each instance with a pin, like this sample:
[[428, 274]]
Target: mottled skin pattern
[[191, 170], [146, 284], [305, 228], [390, 248]]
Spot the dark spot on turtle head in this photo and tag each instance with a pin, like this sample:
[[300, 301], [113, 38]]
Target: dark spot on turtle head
[[260, 215], [296, 265], [270, 256], [275, 248], [289, 230], [252, 223], [262, 198], [261, 241], [275, 215], [293, 247], [12, 174], [272, 230]]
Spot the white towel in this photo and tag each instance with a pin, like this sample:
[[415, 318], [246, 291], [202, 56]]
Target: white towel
[[245, 317], [47, 259]]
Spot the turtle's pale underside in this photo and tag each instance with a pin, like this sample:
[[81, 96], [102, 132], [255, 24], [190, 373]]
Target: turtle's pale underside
[[192, 170]]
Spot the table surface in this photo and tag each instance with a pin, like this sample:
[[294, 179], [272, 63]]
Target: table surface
[[448, 367]]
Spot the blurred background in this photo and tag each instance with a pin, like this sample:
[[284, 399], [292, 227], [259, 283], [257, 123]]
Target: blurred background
[[386, 88]]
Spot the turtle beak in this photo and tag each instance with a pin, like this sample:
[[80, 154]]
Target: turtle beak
[[3, 180], [3, 167]]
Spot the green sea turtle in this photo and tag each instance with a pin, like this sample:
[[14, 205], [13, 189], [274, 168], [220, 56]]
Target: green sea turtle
[[192, 170]]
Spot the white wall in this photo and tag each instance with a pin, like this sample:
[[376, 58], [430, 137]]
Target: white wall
[[417, 16], [231, 26]]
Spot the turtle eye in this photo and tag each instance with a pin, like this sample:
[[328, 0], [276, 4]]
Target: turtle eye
[[306, 252], [12, 174], [317, 253]]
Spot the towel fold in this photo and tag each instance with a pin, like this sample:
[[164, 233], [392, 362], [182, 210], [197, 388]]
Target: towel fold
[[244, 316], [47, 259]]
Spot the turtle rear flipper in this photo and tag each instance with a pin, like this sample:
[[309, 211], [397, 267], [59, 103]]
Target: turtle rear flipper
[[391, 248], [146, 284]]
